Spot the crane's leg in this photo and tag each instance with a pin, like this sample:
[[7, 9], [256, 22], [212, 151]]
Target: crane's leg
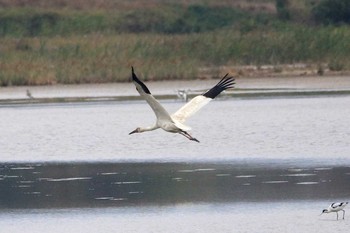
[[343, 214], [187, 135], [337, 215]]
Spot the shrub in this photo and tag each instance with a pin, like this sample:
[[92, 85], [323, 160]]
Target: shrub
[[176, 20], [282, 9], [28, 24], [332, 11], [336, 65]]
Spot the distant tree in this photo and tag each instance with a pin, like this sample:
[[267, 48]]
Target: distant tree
[[332, 11], [282, 7]]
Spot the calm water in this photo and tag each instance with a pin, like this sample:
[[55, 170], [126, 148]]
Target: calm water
[[288, 128], [124, 184], [263, 165], [289, 217]]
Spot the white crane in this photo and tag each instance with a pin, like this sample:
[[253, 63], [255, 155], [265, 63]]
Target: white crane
[[336, 207], [175, 123]]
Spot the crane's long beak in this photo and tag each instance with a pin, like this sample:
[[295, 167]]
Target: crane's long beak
[[135, 131]]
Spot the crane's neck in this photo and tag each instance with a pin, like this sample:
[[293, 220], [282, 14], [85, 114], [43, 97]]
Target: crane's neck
[[149, 128]]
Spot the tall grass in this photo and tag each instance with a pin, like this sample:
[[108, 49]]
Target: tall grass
[[35, 22], [65, 45], [107, 58], [164, 19]]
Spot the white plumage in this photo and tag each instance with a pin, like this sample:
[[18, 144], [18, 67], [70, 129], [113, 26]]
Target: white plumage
[[175, 123], [336, 207]]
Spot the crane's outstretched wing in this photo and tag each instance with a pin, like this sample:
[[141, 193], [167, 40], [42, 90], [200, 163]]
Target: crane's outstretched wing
[[157, 108], [199, 101]]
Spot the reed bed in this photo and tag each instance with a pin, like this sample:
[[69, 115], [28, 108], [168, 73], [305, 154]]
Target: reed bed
[[50, 46]]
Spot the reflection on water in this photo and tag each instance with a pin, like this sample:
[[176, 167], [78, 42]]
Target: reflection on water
[[121, 184]]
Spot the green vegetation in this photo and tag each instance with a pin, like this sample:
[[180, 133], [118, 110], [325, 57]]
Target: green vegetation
[[332, 11], [282, 7], [171, 19], [61, 43]]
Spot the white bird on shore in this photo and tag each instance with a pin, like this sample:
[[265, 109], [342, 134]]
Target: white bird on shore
[[183, 94], [175, 123], [336, 207], [29, 94]]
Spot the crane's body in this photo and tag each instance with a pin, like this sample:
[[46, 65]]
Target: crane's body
[[175, 123], [336, 207]]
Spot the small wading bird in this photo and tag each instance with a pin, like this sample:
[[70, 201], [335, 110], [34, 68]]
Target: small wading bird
[[175, 123], [29, 94], [336, 207]]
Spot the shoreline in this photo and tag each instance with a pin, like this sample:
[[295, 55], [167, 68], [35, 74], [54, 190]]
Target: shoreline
[[247, 87]]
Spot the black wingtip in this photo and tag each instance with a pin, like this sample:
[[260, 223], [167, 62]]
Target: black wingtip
[[225, 83], [133, 72], [133, 75], [138, 81]]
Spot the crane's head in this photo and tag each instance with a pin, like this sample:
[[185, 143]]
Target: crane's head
[[137, 130]]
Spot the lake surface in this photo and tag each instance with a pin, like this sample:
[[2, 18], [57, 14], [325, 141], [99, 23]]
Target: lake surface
[[229, 129], [262, 165], [123, 184], [289, 217]]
